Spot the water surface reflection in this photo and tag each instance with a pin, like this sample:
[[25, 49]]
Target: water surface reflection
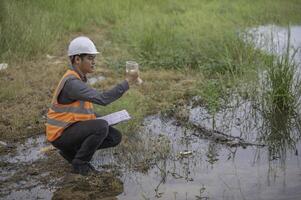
[[212, 170]]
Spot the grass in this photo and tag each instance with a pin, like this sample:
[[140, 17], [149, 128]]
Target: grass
[[157, 93], [184, 48], [280, 88], [279, 98], [157, 33]]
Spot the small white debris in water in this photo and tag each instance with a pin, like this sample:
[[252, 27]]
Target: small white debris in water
[[94, 80], [186, 153], [47, 149], [57, 62], [3, 143], [49, 56], [3, 66]]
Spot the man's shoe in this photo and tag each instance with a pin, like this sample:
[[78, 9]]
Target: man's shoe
[[81, 167]]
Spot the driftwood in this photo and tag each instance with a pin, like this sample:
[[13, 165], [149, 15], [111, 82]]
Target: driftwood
[[219, 136]]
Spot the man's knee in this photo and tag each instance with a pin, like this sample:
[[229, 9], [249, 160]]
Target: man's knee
[[117, 137], [102, 128]]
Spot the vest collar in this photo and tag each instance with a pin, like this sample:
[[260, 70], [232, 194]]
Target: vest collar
[[81, 75]]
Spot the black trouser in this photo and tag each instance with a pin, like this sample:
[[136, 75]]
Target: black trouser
[[80, 140]]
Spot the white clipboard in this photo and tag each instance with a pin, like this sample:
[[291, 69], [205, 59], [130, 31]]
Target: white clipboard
[[116, 117]]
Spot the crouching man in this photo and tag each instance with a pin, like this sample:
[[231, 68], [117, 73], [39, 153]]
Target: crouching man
[[71, 125]]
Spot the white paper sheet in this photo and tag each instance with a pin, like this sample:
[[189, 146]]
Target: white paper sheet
[[116, 117]]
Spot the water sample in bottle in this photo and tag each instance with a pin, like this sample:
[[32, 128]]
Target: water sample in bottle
[[132, 67]]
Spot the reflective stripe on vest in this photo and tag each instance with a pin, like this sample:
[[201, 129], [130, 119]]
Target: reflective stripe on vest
[[60, 116], [54, 122]]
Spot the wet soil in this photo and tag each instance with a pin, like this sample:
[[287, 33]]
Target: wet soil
[[34, 170]]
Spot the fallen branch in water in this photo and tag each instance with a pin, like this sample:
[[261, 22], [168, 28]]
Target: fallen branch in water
[[219, 136]]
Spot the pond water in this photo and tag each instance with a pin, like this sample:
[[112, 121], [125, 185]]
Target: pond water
[[274, 39], [209, 170]]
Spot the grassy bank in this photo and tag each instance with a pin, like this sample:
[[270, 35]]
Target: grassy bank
[[181, 46], [169, 33]]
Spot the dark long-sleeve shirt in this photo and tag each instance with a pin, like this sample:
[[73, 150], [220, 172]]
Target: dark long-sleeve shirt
[[75, 89]]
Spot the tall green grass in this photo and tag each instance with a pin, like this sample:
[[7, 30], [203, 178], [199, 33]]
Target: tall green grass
[[281, 83], [280, 103], [169, 34]]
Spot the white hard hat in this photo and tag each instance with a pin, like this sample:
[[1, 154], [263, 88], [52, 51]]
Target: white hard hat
[[81, 45]]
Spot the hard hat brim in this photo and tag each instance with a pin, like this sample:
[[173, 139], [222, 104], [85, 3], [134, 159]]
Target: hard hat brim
[[90, 53]]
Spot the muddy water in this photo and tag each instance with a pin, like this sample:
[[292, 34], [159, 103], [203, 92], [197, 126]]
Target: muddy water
[[195, 168], [27, 152], [19, 178]]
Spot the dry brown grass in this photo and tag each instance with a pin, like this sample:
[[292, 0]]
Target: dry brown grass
[[26, 90]]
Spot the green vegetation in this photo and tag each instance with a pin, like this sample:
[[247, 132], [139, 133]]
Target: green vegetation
[[169, 33], [184, 47], [279, 99]]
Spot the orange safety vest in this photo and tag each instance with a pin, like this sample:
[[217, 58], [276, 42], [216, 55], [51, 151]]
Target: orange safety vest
[[60, 116]]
